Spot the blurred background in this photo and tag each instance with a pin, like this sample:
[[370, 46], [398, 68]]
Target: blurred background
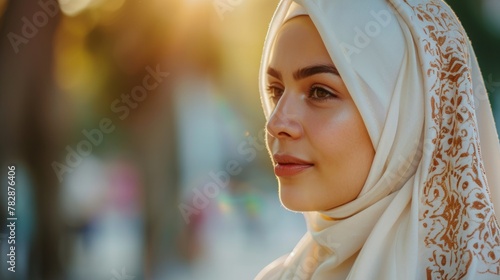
[[136, 132]]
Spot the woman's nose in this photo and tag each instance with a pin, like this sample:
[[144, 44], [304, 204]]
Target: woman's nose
[[284, 122]]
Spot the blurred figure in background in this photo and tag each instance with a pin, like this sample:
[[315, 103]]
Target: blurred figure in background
[[32, 126]]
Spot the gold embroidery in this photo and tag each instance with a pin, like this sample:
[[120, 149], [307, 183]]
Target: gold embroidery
[[456, 217]]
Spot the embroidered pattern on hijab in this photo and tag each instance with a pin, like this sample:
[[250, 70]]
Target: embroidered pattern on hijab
[[456, 211], [427, 210]]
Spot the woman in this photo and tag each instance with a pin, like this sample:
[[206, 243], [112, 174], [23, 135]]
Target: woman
[[381, 132]]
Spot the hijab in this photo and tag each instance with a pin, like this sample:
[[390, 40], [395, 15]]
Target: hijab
[[426, 210]]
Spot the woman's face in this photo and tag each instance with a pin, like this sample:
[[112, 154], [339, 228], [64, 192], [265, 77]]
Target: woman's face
[[320, 147]]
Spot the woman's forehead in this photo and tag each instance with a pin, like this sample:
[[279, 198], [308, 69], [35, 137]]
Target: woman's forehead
[[297, 28], [299, 44]]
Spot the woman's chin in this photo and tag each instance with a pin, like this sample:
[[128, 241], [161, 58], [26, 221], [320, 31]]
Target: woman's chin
[[297, 199], [294, 200]]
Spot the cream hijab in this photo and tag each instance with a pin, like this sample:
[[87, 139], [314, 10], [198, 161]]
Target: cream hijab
[[426, 209]]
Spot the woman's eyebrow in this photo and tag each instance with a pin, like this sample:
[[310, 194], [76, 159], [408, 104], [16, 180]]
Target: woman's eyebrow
[[315, 69], [273, 72], [306, 71]]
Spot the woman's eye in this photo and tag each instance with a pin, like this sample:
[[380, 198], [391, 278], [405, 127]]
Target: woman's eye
[[320, 93], [274, 92]]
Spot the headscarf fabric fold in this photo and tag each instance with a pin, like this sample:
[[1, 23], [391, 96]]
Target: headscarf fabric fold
[[427, 209]]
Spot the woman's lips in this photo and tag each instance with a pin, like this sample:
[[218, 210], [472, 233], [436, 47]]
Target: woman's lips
[[286, 165]]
